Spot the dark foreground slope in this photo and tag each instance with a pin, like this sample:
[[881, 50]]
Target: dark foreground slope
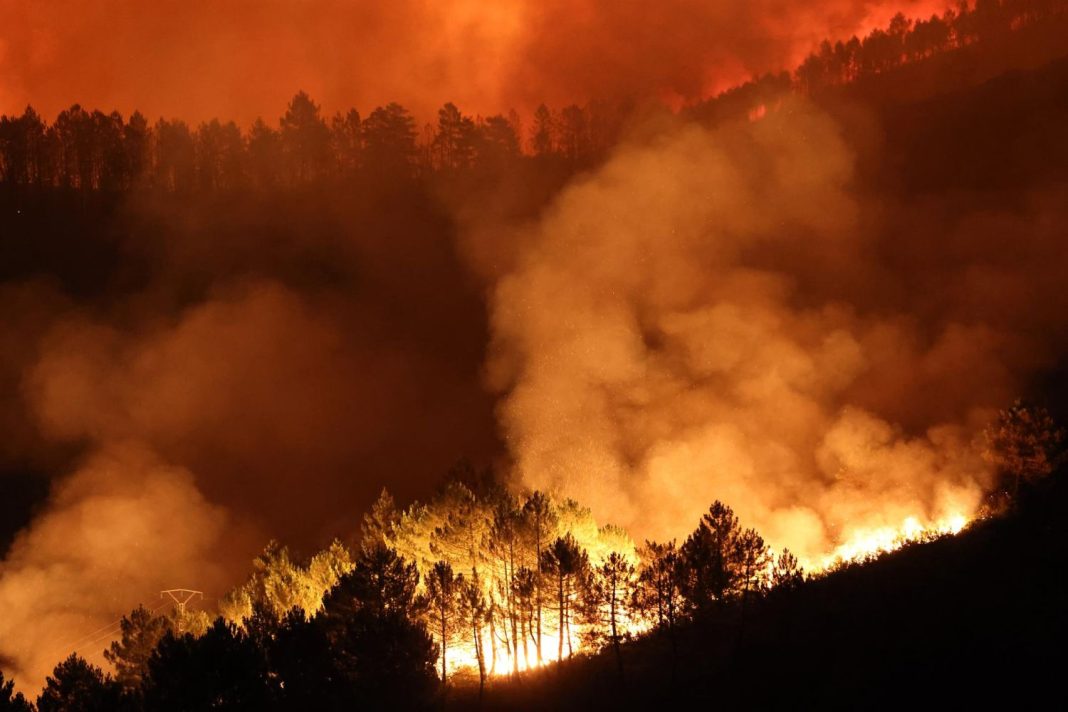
[[961, 621]]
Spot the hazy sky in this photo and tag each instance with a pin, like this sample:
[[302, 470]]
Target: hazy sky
[[241, 58]]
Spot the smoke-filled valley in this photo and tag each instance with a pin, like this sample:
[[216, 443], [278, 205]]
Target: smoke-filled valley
[[814, 297]]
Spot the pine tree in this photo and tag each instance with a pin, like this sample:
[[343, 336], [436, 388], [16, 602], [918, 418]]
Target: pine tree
[[608, 598], [539, 517], [140, 632], [443, 592], [568, 565], [11, 701]]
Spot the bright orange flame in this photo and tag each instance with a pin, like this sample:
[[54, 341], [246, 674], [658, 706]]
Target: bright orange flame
[[462, 657], [865, 543]]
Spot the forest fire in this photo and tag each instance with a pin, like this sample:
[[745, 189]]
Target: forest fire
[[862, 544], [677, 393]]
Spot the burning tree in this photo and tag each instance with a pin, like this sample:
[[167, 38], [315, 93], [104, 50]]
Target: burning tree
[[379, 524], [539, 518], [475, 612], [280, 584], [524, 594], [608, 599], [568, 565], [505, 544], [444, 591]]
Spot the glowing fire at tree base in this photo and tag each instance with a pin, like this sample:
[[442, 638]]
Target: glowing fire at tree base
[[866, 543]]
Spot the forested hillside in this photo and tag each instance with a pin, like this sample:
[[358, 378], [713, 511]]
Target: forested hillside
[[265, 324]]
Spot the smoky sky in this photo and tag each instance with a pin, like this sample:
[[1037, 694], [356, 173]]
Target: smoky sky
[[739, 312], [223, 373], [197, 59]]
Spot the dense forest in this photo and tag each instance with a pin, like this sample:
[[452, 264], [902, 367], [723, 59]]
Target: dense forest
[[478, 580], [91, 150], [511, 598]]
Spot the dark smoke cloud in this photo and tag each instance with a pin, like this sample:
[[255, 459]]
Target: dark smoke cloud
[[196, 59]]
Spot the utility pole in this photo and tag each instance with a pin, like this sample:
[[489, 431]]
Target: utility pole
[[181, 596]]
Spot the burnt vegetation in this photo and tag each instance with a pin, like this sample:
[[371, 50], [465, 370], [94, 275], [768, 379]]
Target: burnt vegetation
[[539, 605]]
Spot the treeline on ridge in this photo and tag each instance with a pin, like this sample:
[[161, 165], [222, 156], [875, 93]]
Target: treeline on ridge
[[96, 151]]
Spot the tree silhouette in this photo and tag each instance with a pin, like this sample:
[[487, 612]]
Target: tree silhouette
[[542, 132], [135, 143], [224, 668], [380, 653], [572, 134], [346, 141], [568, 565], [302, 662], [140, 632], [524, 593], [454, 141], [383, 660], [475, 611], [220, 156], [264, 154], [22, 148], [11, 701], [658, 594], [505, 545], [1024, 443], [443, 592], [305, 140], [608, 598], [709, 556], [539, 518], [74, 130], [498, 141], [77, 686], [787, 574], [108, 152], [380, 581], [752, 560], [389, 140], [174, 156]]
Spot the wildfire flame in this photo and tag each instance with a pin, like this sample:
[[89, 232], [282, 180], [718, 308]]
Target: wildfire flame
[[862, 544], [859, 544], [462, 656]]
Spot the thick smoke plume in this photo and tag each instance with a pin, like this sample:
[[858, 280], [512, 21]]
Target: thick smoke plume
[[240, 395], [713, 315], [196, 59], [97, 549]]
